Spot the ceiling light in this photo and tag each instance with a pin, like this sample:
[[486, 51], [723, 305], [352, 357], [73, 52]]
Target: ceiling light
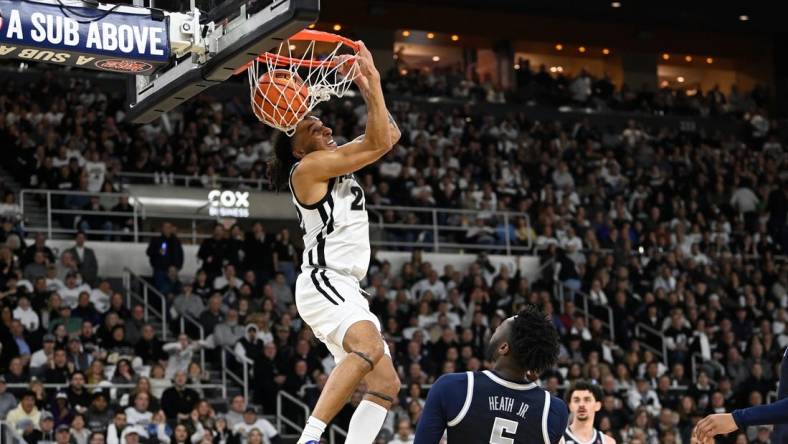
[[403, 72], [455, 37], [292, 47], [436, 59], [680, 79], [744, 17], [311, 26], [406, 33], [688, 58], [430, 35], [553, 69], [615, 4], [337, 27], [582, 49], [605, 51], [709, 60], [666, 56], [559, 68], [559, 46], [516, 66]]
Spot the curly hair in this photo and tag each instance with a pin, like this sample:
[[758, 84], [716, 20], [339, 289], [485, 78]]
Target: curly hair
[[534, 340], [595, 390], [283, 160]]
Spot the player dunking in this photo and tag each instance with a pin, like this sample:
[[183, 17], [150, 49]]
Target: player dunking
[[500, 406], [331, 210], [585, 399]]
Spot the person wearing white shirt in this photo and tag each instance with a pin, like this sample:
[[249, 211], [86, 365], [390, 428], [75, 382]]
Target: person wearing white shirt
[[138, 414], [251, 421], [40, 357], [99, 297], [70, 293], [432, 284], [181, 354], [404, 433], [26, 315]]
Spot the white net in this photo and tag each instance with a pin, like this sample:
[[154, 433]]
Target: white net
[[288, 84]]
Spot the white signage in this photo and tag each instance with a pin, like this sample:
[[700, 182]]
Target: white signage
[[228, 203]]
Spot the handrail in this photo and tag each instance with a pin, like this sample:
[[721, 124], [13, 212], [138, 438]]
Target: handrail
[[281, 419], [610, 323], [187, 317], [333, 431], [245, 362], [187, 179], [664, 353], [697, 357], [111, 386], [128, 275], [9, 435]]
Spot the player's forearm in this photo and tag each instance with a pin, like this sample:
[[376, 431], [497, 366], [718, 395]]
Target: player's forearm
[[770, 414], [378, 131]]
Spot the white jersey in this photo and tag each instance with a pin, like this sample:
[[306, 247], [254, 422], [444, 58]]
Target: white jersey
[[336, 229]]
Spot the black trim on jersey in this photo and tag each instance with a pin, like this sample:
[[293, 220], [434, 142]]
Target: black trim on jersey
[[328, 284], [319, 202], [321, 250], [330, 227], [317, 285], [311, 259], [322, 211]]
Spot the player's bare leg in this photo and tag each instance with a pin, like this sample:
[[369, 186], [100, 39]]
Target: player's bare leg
[[365, 349], [382, 386]]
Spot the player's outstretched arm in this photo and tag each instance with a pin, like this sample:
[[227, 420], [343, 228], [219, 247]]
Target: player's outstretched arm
[[379, 137], [724, 423]]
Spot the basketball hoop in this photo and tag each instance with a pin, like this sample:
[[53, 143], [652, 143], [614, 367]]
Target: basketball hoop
[[308, 68]]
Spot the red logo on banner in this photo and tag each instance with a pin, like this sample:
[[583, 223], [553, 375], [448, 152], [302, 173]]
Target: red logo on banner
[[123, 65]]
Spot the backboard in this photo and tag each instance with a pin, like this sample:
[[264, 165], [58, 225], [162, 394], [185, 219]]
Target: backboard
[[226, 38]]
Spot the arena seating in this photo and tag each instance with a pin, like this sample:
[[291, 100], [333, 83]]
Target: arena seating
[[665, 258]]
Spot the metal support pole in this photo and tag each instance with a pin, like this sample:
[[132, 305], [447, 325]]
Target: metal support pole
[[145, 300], [435, 242], [136, 228], [224, 378], [49, 215], [506, 234]]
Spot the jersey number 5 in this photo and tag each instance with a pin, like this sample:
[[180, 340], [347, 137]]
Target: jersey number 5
[[499, 427], [358, 201]]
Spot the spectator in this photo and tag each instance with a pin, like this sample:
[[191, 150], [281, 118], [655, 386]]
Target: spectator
[[258, 252], [149, 348], [404, 433], [252, 422], [228, 332], [100, 296], [99, 416], [26, 409], [163, 252], [643, 396], [213, 252], [137, 413], [212, 316], [179, 400], [285, 256], [87, 265], [235, 411], [45, 431], [7, 400], [181, 354], [36, 268]]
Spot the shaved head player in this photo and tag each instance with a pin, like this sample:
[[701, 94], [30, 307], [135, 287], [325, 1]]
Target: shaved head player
[[502, 405]]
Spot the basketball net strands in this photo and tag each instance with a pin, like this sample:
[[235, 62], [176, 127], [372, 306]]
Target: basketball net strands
[[308, 68]]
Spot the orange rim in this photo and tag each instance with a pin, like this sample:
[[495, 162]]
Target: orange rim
[[304, 35]]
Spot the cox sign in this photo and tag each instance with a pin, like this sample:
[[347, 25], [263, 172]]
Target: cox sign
[[228, 203]]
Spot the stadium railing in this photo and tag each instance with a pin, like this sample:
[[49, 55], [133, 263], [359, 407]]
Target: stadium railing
[[132, 281], [698, 361], [282, 420], [246, 364], [334, 431], [9, 435], [188, 181], [562, 291], [663, 352], [438, 229], [436, 225]]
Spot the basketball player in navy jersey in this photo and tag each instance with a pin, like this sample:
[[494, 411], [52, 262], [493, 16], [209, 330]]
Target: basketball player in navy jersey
[[329, 202], [585, 399], [775, 414], [502, 405]]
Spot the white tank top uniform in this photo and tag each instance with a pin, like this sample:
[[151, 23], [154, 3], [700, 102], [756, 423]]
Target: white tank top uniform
[[336, 257]]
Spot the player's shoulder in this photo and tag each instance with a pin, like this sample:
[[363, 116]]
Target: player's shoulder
[[607, 439], [453, 379]]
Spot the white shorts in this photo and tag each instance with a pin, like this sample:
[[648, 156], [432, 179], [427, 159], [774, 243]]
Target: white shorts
[[330, 303]]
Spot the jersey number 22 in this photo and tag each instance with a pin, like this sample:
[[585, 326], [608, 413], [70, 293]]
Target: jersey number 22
[[499, 427]]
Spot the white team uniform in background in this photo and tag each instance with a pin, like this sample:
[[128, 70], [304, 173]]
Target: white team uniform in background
[[336, 257]]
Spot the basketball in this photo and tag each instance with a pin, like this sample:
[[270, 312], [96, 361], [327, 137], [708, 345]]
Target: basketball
[[281, 98]]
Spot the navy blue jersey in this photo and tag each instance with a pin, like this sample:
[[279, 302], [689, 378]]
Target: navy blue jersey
[[775, 413], [482, 407], [570, 438]]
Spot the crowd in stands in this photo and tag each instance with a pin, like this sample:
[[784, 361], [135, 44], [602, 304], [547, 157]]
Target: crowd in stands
[[681, 233]]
